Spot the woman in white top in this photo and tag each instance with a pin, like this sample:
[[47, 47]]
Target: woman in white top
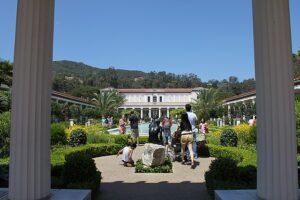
[[127, 155]]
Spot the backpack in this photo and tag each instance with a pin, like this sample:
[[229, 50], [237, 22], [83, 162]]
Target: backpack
[[167, 124], [154, 129]]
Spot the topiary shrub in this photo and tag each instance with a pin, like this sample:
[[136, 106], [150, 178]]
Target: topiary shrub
[[80, 172], [229, 138], [58, 135], [77, 137], [4, 134], [223, 169]]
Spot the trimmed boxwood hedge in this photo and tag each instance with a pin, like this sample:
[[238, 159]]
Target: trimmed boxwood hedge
[[60, 154], [240, 165]]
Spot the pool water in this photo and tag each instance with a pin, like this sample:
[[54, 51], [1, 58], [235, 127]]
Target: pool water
[[143, 129]]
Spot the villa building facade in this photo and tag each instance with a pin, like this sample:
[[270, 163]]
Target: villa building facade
[[251, 95], [157, 102]]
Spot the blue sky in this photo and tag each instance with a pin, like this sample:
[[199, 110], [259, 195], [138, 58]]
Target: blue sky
[[212, 38]]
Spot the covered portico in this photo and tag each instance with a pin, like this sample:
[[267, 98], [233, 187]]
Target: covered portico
[[29, 176]]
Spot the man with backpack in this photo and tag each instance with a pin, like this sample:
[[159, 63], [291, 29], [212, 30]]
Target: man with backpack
[[155, 131], [167, 124], [134, 125]]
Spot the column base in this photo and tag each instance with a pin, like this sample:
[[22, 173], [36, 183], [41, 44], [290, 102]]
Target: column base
[[58, 194], [237, 195]]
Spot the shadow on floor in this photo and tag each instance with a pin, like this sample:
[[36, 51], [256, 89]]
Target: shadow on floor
[[153, 191]]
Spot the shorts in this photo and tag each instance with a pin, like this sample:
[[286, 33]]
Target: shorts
[[134, 133], [186, 139]]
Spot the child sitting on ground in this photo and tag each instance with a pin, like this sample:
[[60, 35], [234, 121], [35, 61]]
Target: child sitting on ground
[[127, 155]]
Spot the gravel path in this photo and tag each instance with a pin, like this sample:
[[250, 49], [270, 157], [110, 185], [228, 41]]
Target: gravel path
[[122, 183]]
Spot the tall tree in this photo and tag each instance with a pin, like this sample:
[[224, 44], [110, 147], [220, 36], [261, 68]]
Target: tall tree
[[6, 72]]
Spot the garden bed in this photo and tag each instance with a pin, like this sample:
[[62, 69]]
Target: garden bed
[[165, 168]]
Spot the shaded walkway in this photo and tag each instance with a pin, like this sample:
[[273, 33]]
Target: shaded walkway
[[122, 183]]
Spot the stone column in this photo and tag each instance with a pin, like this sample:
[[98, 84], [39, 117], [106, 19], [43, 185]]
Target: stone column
[[29, 173], [276, 144], [142, 114], [168, 112], [150, 113], [159, 112]]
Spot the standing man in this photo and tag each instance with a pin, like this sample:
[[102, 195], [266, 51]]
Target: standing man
[[192, 118], [134, 125], [167, 123]]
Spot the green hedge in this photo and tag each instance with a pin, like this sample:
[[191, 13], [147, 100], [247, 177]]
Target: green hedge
[[96, 138], [4, 134], [80, 163], [67, 163], [58, 135], [242, 175], [143, 139], [93, 150]]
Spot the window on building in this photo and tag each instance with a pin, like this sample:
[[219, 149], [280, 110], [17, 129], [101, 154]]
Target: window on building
[[160, 99], [149, 99], [155, 99]]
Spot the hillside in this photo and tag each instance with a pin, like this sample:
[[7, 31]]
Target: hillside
[[80, 79]]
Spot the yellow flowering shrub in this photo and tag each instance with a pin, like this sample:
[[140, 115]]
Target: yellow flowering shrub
[[69, 130], [246, 134], [214, 137]]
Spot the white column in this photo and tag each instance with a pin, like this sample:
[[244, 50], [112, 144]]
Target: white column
[[142, 114], [159, 112], [149, 113], [276, 145], [168, 112], [29, 173]]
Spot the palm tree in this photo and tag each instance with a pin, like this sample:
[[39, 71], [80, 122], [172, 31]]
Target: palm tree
[[108, 101], [205, 105]]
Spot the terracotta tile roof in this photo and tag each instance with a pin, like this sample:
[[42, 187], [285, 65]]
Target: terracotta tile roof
[[70, 97], [158, 90], [253, 92], [240, 96]]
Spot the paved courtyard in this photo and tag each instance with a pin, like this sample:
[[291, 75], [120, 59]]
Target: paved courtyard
[[122, 183]]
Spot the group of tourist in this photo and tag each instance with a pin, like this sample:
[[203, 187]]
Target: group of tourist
[[161, 134]]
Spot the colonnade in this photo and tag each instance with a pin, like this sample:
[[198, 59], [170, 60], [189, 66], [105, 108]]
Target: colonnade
[[152, 112]]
